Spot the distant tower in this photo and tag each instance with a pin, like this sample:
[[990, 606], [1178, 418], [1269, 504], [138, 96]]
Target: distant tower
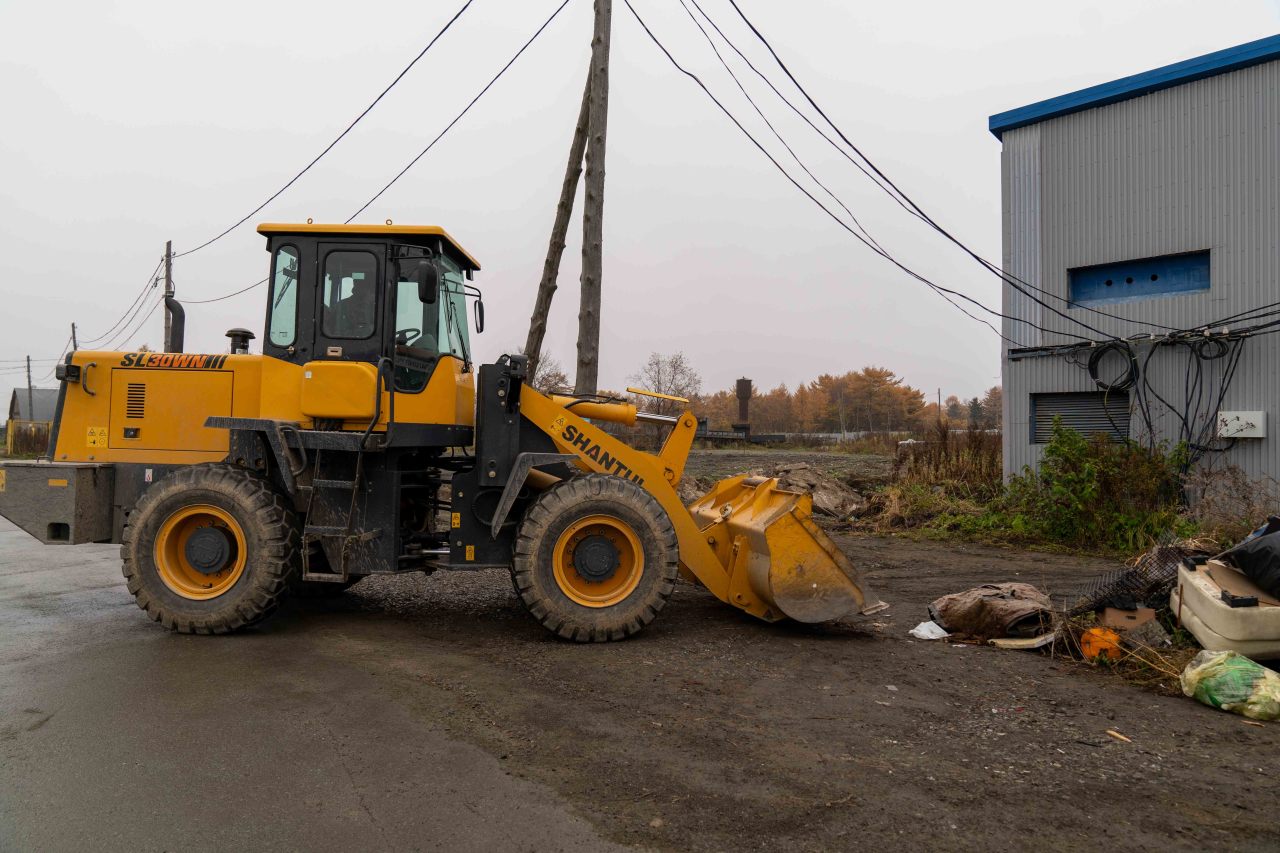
[[744, 403]]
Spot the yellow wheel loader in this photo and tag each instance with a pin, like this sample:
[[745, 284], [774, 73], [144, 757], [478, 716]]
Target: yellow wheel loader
[[364, 441]]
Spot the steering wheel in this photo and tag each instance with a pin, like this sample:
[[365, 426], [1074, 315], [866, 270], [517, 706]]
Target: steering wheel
[[405, 336]]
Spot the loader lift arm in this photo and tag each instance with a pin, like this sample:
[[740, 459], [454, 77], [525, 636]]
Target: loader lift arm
[[750, 543]]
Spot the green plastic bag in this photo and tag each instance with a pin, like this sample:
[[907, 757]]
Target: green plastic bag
[[1232, 682]]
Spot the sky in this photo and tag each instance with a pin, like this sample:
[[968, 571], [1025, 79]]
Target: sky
[[131, 123]]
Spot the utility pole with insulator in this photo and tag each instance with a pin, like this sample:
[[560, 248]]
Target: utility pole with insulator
[[586, 378], [31, 394], [168, 291]]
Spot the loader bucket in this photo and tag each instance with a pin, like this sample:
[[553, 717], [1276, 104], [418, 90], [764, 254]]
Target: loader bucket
[[768, 542]]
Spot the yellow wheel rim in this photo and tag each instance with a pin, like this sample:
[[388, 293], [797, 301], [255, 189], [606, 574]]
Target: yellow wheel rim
[[598, 561], [200, 552]]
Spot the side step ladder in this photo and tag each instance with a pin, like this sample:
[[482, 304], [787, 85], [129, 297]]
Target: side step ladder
[[317, 533]]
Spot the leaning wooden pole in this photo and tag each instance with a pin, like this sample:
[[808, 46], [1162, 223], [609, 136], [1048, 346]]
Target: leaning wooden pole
[[559, 229], [593, 205]]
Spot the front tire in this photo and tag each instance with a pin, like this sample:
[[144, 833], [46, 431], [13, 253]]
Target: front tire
[[210, 549], [596, 558]]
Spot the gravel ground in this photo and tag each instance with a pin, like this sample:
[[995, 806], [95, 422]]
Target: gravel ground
[[432, 712], [712, 731]]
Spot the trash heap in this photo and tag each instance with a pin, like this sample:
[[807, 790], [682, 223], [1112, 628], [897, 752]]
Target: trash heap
[[833, 500], [1230, 604]]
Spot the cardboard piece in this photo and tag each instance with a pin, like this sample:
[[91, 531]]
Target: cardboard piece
[[1125, 620]]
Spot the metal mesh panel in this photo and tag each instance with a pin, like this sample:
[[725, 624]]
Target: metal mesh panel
[[1146, 584]]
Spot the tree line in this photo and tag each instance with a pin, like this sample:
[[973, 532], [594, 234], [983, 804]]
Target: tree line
[[873, 399]]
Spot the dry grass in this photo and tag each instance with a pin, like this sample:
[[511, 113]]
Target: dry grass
[[1139, 664], [1226, 504], [967, 464]]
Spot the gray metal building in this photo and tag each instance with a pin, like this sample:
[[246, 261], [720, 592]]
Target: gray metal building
[[1145, 213]]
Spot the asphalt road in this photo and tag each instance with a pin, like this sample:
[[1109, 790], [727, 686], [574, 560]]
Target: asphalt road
[[117, 735]]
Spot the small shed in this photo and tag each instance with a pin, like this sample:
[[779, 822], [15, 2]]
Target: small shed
[[31, 414]]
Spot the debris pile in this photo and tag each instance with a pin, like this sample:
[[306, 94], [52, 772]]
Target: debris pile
[[831, 497]]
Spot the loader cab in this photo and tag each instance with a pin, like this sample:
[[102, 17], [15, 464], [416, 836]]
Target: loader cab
[[368, 292]]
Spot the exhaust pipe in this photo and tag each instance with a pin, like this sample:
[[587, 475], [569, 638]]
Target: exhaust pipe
[[177, 325]]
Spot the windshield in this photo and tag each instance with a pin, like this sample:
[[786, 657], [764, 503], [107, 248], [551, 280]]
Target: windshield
[[455, 338]]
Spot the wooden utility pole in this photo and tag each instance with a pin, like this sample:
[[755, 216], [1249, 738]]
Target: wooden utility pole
[[555, 248], [593, 205], [168, 289], [31, 394], [75, 345]]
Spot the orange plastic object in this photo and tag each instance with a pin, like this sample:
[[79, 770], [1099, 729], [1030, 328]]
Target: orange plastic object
[[1100, 643]]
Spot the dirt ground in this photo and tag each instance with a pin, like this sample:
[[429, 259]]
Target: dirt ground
[[861, 471], [432, 712]]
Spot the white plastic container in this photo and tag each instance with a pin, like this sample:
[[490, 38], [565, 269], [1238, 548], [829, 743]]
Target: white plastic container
[[1197, 603]]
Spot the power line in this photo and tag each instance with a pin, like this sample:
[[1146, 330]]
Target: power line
[[941, 290], [115, 339], [890, 187], [772, 129], [338, 139], [66, 346], [151, 280], [225, 296], [448, 127], [142, 322]]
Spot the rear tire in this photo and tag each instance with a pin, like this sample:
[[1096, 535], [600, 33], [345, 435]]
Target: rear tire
[[210, 549], [596, 558]]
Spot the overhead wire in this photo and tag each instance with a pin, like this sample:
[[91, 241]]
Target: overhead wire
[[65, 347], [258, 283], [895, 191], [774, 130], [115, 339], [337, 139], [458, 118], [945, 292], [126, 341], [150, 283]]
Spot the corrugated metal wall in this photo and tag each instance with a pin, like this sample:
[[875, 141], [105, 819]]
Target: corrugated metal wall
[[1188, 168]]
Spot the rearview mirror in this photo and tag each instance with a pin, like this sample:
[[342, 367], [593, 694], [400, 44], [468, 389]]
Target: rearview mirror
[[428, 282], [479, 316]]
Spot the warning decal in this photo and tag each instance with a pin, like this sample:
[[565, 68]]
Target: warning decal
[[96, 437]]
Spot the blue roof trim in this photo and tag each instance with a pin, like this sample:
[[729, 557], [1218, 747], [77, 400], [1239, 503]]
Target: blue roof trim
[[1209, 65]]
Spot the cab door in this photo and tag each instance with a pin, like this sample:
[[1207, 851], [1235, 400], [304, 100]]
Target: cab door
[[351, 302]]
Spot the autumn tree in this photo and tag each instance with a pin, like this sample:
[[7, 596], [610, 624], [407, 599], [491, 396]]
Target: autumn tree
[[809, 407], [993, 407]]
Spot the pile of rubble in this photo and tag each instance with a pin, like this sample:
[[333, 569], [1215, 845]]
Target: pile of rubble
[[832, 498]]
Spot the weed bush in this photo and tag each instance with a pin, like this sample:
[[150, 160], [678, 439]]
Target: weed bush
[[1089, 493], [1093, 492]]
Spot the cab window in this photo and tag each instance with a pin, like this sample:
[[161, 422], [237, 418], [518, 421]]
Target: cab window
[[350, 295], [283, 326], [452, 304]]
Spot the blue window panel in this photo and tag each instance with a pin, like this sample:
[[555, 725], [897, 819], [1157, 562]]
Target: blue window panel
[[1129, 281]]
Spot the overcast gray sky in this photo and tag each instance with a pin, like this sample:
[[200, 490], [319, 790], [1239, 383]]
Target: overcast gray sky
[[129, 123]]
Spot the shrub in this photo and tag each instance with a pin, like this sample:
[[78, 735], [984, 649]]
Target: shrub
[[1095, 493]]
